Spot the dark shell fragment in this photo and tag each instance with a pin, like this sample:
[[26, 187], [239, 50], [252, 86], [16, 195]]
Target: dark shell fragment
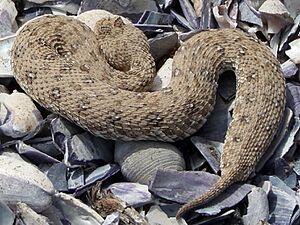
[[184, 186]]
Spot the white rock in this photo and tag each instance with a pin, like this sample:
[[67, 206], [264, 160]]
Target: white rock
[[8, 14], [29, 216], [24, 182], [18, 114], [163, 76], [5, 47]]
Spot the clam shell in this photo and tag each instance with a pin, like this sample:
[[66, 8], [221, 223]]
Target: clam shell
[[140, 160]]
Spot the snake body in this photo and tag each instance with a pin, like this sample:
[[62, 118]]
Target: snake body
[[99, 81]]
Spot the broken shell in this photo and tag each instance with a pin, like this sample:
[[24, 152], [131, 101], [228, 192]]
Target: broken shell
[[249, 14], [133, 194], [62, 130], [57, 173], [34, 155], [6, 214], [3, 89], [81, 179], [190, 14], [29, 216], [87, 149], [293, 53], [112, 219], [5, 47], [23, 182], [73, 211], [282, 201], [210, 151], [289, 68], [293, 7], [184, 186], [140, 160], [130, 9], [18, 115], [257, 212]]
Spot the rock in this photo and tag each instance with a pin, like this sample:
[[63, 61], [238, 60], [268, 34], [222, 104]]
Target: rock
[[18, 115]]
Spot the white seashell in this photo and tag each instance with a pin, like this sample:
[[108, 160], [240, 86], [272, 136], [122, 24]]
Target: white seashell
[[140, 160], [276, 15], [23, 182], [293, 53], [18, 115]]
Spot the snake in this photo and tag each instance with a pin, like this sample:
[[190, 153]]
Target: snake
[[100, 81]]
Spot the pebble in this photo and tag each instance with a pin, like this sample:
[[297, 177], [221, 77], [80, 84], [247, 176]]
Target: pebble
[[18, 115], [8, 14], [23, 182], [163, 76]]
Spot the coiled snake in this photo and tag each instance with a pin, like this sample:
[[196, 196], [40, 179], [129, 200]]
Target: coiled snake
[[99, 81]]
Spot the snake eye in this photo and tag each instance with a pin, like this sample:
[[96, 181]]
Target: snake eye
[[118, 22]]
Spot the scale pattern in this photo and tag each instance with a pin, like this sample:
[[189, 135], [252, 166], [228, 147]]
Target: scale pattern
[[95, 79]]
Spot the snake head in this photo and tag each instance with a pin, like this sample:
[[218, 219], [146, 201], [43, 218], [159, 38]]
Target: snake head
[[109, 27]]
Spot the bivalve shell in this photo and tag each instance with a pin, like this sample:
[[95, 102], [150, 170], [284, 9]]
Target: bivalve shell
[[140, 160]]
